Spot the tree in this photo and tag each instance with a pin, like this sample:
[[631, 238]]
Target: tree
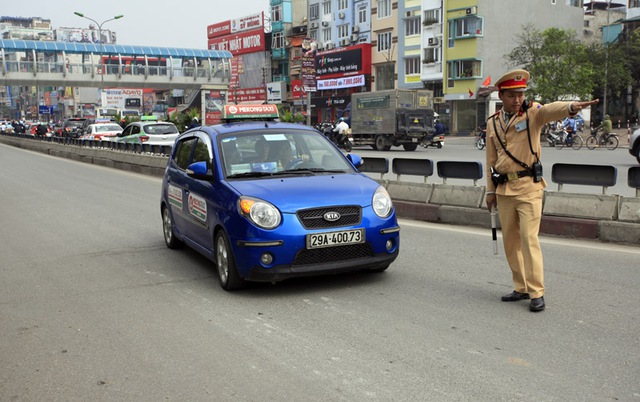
[[558, 62], [287, 116]]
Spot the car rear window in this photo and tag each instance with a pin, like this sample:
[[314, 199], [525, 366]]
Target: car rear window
[[74, 123], [160, 129], [103, 128]]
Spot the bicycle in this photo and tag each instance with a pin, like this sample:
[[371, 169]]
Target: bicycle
[[560, 139], [607, 140]]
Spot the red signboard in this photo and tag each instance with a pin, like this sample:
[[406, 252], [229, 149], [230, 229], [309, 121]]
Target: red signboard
[[240, 43], [219, 29], [250, 22], [296, 89], [246, 94]]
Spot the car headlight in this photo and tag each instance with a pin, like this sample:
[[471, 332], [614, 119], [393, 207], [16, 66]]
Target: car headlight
[[381, 202], [259, 212]]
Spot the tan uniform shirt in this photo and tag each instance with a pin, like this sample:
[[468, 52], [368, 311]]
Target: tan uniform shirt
[[513, 135]]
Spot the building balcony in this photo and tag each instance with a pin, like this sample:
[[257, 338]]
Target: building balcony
[[281, 77], [279, 53]]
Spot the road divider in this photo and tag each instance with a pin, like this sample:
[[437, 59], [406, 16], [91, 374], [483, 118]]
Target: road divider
[[603, 217]]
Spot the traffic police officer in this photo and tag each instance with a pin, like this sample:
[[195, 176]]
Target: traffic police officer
[[514, 179]]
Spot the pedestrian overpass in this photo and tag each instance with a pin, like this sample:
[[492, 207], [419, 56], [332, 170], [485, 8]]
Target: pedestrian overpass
[[79, 64]]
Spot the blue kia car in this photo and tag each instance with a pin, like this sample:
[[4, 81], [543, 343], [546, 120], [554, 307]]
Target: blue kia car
[[267, 201]]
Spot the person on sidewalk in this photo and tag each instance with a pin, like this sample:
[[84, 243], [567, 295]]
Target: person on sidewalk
[[514, 179]]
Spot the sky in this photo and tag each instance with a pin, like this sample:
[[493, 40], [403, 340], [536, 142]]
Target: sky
[[181, 23]]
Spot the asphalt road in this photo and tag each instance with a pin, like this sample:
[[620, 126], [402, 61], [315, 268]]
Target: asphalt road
[[93, 306], [463, 149]]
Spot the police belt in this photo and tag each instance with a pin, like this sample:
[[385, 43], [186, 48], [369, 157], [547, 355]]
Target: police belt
[[505, 177]]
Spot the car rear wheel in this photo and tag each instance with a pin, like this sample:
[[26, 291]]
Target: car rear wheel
[[228, 274], [380, 143], [167, 228]]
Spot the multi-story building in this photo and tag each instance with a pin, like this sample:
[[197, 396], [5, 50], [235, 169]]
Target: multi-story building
[[22, 101], [384, 44], [598, 15], [342, 30], [409, 44], [477, 34]]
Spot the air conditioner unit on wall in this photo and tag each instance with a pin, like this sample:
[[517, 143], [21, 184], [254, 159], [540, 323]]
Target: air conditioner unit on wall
[[345, 42], [329, 45], [472, 10], [314, 25], [325, 23], [354, 38], [355, 29], [434, 41], [341, 15]]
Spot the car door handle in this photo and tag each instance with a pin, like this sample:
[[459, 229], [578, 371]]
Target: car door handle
[[186, 188]]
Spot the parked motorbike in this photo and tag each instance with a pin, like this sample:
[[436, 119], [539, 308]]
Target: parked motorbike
[[555, 137]]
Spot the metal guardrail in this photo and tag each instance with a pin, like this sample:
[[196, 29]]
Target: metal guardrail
[[460, 170], [633, 179], [416, 167], [141, 148], [562, 173], [375, 165], [589, 175]]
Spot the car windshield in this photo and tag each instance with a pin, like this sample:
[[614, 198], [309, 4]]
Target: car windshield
[[265, 153], [74, 123], [103, 128], [163, 128]]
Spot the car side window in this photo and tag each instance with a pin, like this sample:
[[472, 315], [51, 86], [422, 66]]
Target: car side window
[[201, 153], [183, 152], [135, 130]]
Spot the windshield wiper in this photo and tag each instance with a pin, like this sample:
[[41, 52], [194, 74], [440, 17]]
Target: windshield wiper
[[249, 174]]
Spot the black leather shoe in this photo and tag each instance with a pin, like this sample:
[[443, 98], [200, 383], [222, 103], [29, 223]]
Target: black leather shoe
[[515, 296], [537, 304]]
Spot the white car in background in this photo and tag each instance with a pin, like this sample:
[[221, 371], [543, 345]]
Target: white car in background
[[101, 131], [149, 132]]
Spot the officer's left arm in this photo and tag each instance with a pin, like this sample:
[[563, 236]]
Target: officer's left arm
[[576, 107]]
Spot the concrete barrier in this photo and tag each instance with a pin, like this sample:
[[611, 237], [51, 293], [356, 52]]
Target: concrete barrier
[[608, 218], [629, 209], [589, 206]]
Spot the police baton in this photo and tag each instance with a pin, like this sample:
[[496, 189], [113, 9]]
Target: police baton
[[493, 230]]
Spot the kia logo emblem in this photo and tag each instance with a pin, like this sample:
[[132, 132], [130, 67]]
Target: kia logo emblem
[[331, 216]]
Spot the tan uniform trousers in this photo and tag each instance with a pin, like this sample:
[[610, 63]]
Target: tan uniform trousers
[[520, 217]]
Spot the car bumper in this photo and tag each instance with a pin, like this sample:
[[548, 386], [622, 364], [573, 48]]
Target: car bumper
[[281, 272], [290, 256]]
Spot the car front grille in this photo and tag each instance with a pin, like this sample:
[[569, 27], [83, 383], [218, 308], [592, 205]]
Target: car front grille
[[314, 218], [332, 254]]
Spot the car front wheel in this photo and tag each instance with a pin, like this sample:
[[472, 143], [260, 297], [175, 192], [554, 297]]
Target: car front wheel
[[228, 274]]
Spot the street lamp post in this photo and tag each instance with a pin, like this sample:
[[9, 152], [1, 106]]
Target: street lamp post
[[606, 62], [117, 17]]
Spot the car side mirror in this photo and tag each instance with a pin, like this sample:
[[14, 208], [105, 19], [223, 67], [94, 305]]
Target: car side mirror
[[200, 171], [355, 159]]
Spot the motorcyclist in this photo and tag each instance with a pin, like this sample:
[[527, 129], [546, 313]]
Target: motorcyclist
[[440, 128], [194, 123], [341, 128]]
